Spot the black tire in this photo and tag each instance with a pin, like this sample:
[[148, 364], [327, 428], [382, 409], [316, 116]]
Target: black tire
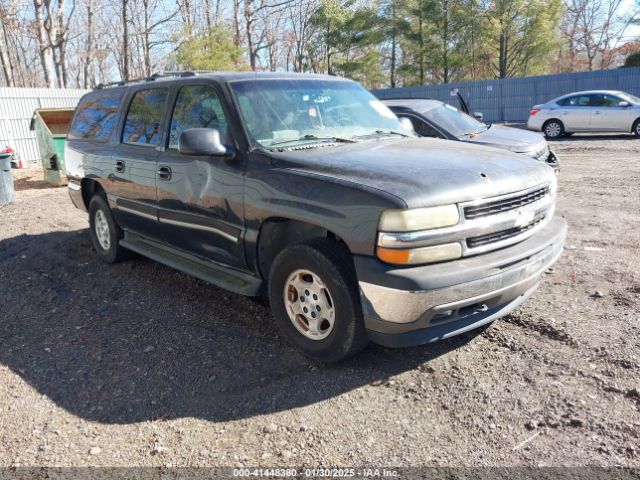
[[332, 263], [553, 129], [636, 128], [114, 253]]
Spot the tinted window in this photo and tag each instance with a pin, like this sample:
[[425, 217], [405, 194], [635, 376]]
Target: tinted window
[[453, 120], [197, 106], [96, 115], [422, 128], [577, 101], [604, 100], [144, 117]]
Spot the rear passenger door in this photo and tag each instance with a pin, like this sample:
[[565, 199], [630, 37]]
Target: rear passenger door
[[200, 197], [134, 162], [575, 113]]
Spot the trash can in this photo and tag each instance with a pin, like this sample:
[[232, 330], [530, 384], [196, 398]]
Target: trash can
[[7, 193], [51, 126]]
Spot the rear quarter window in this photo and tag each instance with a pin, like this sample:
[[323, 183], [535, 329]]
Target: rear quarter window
[[96, 116]]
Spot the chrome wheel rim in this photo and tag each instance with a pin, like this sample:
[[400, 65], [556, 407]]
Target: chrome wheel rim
[[638, 128], [553, 130], [309, 304], [101, 227]]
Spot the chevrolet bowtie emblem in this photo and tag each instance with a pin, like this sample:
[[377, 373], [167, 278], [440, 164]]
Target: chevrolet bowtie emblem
[[524, 218]]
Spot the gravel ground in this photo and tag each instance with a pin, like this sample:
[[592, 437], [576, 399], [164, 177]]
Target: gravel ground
[[138, 365]]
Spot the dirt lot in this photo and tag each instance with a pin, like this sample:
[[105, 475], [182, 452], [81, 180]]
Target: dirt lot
[[136, 364]]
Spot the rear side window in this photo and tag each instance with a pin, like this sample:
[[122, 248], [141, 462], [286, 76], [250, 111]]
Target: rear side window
[[142, 125], [577, 101], [95, 117]]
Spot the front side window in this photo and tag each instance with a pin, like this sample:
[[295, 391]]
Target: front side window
[[145, 114], [96, 116], [604, 100], [453, 120], [197, 106], [277, 111], [422, 128]]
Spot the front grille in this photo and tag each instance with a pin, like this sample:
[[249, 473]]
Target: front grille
[[504, 205], [474, 242]]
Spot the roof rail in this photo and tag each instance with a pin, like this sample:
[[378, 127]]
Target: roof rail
[[151, 78]]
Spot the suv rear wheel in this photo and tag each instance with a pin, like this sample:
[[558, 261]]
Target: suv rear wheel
[[105, 232], [553, 129], [315, 301]]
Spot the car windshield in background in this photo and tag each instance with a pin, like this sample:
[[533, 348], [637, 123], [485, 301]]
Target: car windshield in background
[[280, 112], [455, 121], [633, 98]]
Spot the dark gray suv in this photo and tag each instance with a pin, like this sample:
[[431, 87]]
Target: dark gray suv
[[309, 190]]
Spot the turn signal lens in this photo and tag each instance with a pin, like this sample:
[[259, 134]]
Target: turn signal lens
[[416, 256], [419, 218]]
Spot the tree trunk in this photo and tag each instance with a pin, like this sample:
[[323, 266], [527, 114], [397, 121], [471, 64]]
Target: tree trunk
[[392, 67], [421, 48], [146, 54], [88, 53], [125, 40], [502, 60], [7, 68], [44, 47]]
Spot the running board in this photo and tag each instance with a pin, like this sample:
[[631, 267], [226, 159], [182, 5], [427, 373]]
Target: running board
[[211, 272]]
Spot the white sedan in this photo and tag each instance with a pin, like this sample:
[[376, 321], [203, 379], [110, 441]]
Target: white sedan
[[591, 111]]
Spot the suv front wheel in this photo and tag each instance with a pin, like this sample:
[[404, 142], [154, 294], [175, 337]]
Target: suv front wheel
[[315, 301], [105, 232]]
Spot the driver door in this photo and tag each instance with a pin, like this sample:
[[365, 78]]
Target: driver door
[[200, 197]]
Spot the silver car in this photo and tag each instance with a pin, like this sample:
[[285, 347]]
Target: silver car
[[433, 118], [590, 111]]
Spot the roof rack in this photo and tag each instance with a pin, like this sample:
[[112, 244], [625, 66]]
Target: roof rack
[[151, 78]]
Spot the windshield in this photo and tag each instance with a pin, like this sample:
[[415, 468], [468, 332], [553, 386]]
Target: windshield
[[633, 98], [276, 112], [455, 121]]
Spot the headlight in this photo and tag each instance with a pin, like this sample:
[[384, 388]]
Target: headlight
[[416, 220], [419, 219]]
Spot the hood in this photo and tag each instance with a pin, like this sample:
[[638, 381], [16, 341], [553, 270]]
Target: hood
[[421, 171], [509, 138]]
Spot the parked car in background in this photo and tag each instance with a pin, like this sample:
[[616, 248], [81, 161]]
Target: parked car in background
[[589, 111], [308, 189], [433, 118]]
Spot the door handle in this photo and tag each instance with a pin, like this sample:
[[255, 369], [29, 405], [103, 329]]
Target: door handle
[[164, 173], [596, 113], [119, 166]]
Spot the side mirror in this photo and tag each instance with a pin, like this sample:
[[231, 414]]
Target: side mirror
[[407, 124], [478, 116], [623, 103], [202, 142]]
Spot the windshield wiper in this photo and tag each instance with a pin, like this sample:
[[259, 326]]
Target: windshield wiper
[[313, 137], [379, 133]]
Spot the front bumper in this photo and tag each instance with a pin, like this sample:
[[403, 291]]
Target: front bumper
[[412, 306], [534, 123], [75, 193]]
